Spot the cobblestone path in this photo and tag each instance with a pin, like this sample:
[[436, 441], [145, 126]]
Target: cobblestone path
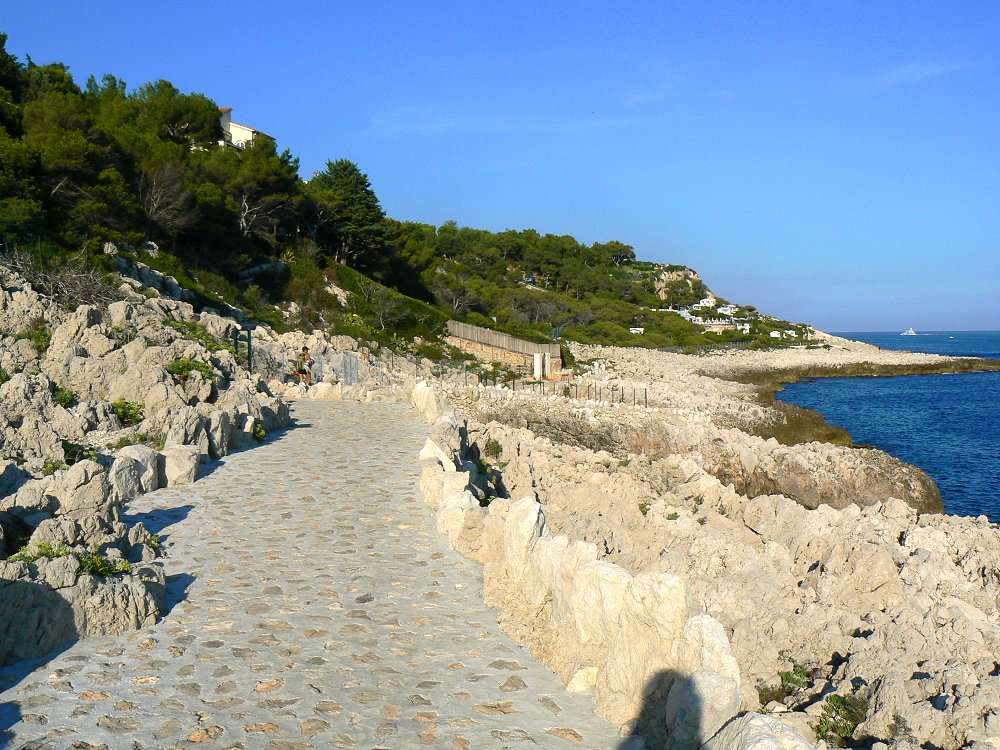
[[312, 604]]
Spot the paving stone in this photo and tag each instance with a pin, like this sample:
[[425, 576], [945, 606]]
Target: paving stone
[[313, 578]]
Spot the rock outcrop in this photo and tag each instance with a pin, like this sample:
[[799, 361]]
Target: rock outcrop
[[80, 393]]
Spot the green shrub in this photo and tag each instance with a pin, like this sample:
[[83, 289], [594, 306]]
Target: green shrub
[[75, 452], [183, 367], [51, 466], [644, 507], [259, 433], [128, 412], [94, 563], [64, 397], [568, 360], [37, 333], [841, 716], [42, 549], [493, 448], [4, 376], [673, 515], [153, 541]]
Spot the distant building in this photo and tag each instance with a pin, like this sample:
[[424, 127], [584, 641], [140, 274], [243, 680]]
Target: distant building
[[235, 134], [727, 310], [775, 334], [636, 329]]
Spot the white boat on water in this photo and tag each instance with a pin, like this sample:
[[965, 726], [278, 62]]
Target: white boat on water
[[909, 332]]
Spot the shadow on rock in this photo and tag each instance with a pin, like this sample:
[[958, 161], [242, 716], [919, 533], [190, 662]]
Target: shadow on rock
[[157, 520], [35, 620], [671, 716]]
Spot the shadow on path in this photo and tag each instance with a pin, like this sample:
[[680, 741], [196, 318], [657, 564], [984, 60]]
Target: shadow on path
[[175, 591], [157, 520], [670, 716]]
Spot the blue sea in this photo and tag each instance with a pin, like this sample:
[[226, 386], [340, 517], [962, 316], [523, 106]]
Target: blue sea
[[948, 425]]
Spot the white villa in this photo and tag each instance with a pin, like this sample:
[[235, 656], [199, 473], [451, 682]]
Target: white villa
[[233, 133]]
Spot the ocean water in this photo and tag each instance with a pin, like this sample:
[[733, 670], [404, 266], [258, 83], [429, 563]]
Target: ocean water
[[948, 425]]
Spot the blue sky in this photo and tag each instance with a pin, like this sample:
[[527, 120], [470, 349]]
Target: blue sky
[[834, 163]]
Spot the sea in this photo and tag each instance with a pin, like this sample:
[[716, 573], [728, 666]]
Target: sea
[[948, 425]]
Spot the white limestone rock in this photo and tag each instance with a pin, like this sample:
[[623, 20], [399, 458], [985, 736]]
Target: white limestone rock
[[178, 464]]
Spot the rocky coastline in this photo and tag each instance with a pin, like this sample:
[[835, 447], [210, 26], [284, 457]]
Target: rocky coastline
[[714, 576], [867, 599]]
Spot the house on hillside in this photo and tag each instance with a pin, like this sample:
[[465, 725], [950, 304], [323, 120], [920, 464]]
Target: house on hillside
[[235, 134]]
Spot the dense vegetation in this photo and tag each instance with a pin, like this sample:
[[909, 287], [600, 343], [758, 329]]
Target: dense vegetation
[[91, 172]]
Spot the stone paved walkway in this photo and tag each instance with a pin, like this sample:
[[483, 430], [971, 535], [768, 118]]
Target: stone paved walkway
[[313, 604]]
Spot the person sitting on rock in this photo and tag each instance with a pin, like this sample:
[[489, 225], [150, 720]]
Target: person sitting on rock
[[303, 367]]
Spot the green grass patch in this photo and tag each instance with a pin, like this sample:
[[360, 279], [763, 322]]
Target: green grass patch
[[258, 433], [4, 376], [493, 448], [144, 438]]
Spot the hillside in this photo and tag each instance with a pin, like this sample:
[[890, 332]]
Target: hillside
[[153, 174]]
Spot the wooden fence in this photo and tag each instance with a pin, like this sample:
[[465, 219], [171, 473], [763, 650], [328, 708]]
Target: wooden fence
[[501, 340]]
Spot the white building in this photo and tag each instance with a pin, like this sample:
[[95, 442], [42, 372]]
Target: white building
[[727, 310], [235, 134]]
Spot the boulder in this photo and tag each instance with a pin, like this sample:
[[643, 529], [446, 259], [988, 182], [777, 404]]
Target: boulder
[[147, 460], [178, 464], [697, 707], [525, 523], [461, 518], [755, 731], [219, 433], [654, 611], [125, 478], [597, 599], [82, 490]]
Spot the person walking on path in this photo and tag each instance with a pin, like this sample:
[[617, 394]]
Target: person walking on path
[[303, 366]]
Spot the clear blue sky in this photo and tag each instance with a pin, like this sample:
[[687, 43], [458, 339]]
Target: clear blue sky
[[831, 162]]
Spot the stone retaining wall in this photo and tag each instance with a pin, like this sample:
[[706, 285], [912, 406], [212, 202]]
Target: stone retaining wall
[[655, 666]]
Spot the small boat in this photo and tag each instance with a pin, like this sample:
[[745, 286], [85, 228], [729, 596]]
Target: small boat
[[909, 332]]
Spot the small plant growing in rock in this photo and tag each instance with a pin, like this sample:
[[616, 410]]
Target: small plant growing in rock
[[94, 563], [37, 333], [4, 376], [153, 541], [128, 412], [644, 507], [64, 397], [51, 466], [258, 433], [673, 515], [145, 438], [75, 452], [183, 367], [841, 716], [624, 462], [493, 448], [42, 549]]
